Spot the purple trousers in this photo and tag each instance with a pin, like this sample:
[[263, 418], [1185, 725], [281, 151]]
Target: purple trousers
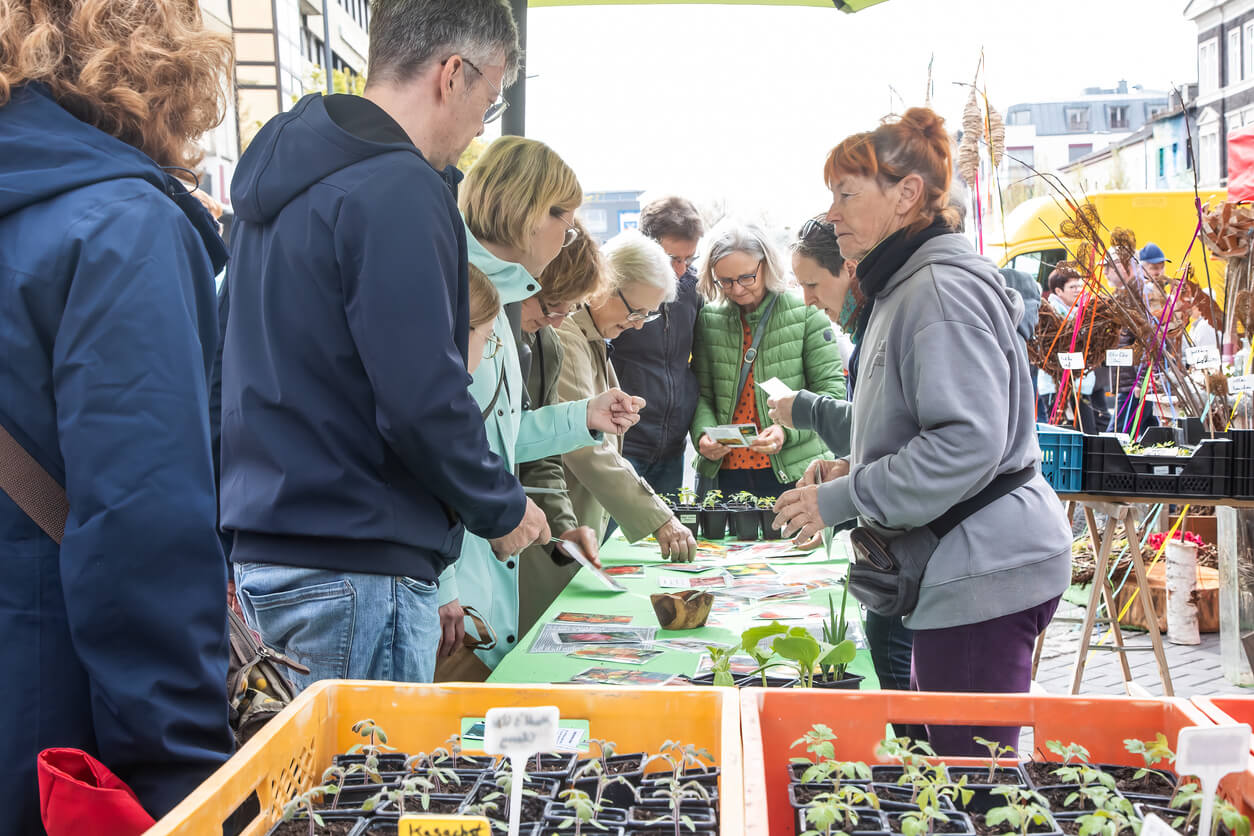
[[989, 657]]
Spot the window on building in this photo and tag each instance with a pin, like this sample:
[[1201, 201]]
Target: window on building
[[1154, 110], [1247, 61], [1020, 117], [1175, 156], [1234, 56], [1077, 119], [1208, 66], [1018, 160], [358, 10], [1208, 156], [1118, 117], [1162, 162], [1078, 150]]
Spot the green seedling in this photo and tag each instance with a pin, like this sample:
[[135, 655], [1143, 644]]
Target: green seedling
[[687, 497], [582, 810], [1094, 784], [712, 499], [819, 741], [836, 812], [374, 732], [683, 755], [720, 665], [305, 802], [676, 792], [834, 663], [437, 776], [1153, 751], [913, 756], [766, 503], [751, 640], [332, 779], [1190, 795], [995, 752], [1108, 823], [745, 498], [1022, 810], [594, 769], [923, 821], [1070, 752]]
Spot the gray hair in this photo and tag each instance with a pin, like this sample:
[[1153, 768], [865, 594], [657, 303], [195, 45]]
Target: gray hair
[[734, 237], [635, 259], [405, 35]]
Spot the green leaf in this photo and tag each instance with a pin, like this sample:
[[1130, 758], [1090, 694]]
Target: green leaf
[[998, 815], [751, 638], [841, 654], [803, 650]]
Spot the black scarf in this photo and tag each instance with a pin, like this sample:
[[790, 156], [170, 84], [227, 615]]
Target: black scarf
[[874, 272]]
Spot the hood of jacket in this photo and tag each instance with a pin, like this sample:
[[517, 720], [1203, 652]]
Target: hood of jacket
[[511, 279], [955, 250], [33, 170]]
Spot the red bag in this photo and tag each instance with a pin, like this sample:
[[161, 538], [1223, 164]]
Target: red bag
[[78, 794], [1241, 164]]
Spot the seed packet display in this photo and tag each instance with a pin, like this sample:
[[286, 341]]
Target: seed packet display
[[750, 570], [598, 637], [556, 636], [791, 612], [592, 618], [611, 676], [690, 645], [625, 570], [693, 582], [616, 654]]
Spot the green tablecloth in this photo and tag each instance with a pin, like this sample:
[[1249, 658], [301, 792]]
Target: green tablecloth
[[585, 594]]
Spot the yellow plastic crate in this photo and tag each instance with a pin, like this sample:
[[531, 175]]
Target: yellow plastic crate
[[289, 755]]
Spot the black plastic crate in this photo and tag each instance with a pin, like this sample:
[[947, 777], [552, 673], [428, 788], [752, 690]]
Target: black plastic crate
[[1241, 464], [1109, 470]]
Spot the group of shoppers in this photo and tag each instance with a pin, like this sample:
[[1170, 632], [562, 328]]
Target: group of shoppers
[[397, 344]]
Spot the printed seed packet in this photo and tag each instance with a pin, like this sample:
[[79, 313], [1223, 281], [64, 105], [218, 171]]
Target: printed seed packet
[[750, 570], [592, 618], [706, 582], [603, 637], [625, 570], [611, 676], [792, 612], [619, 654]]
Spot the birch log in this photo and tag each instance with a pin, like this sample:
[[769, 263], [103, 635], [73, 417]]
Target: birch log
[[1181, 586]]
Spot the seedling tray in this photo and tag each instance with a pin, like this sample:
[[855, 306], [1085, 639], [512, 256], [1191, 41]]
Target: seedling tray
[[1109, 470]]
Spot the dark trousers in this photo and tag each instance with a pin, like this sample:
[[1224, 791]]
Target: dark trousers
[[891, 644], [990, 657]]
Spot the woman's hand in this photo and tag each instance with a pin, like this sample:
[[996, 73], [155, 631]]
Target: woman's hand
[[797, 513], [781, 410], [770, 440], [823, 470], [676, 541], [711, 449], [586, 540], [614, 411]]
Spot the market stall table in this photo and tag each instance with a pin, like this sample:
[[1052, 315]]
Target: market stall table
[[585, 594]]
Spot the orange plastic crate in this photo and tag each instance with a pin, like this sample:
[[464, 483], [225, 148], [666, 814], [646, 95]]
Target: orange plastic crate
[[1225, 711], [291, 752], [773, 719]]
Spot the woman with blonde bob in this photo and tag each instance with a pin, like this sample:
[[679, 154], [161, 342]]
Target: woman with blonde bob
[[115, 632], [753, 331], [518, 203]]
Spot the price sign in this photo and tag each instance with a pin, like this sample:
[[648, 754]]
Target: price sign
[[1210, 754], [412, 825], [1116, 357], [520, 733], [1073, 360], [1241, 383], [1202, 356]]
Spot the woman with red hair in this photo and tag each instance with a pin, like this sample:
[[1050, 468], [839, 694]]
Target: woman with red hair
[[944, 426]]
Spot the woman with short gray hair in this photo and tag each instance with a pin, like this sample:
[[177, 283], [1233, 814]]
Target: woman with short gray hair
[[753, 331]]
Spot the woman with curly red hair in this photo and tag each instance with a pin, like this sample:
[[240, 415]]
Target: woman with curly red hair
[[115, 636], [944, 432]]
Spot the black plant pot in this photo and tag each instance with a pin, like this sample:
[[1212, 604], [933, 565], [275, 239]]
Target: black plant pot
[[983, 798], [870, 821], [300, 825], [889, 774], [769, 532], [690, 517], [1048, 828], [1057, 795], [602, 828], [647, 812], [849, 682], [1064, 819], [1156, 783], [958, 823], [746, 523], [555, 766], [443, 804], [714, 523], [557, 811], [390, 762], [630, 767], [896, 797]]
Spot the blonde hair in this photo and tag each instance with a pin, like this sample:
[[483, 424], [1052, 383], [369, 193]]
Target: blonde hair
[[147, 73], [577, 273], [732, 237], [485, 300], [637, 259], [514, 185]]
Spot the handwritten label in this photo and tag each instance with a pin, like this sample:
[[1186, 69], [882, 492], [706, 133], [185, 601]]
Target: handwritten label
[[687, 519], [1241, 383], [1152, 825], [568, 740], [1073, 360], [521, 731], [1210, 753], [412, 825], [1119, 357], [1202, 356]]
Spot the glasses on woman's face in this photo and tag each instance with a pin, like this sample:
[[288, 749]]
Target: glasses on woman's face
[[814, 225], [634, 314], [497, 107], [744, 280], [572, 231], [556, 315], [491, 346], [678, 260]]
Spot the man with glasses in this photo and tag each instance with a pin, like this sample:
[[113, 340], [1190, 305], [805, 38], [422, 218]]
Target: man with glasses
[[654, 361], [353, 455]]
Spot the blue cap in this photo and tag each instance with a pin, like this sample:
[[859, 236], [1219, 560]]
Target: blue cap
[[1151, 254]]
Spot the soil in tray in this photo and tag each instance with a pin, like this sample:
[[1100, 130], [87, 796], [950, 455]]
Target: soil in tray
[[619, 764], [1071, 827], [954, 825], [301, 828], [532, 807], [438, 806], [982, 829], [1057, 795], [1152, 783], [1041, 773], [980, 777]]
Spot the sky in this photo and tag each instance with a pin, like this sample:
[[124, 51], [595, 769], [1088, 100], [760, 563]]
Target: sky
[[739, 104]]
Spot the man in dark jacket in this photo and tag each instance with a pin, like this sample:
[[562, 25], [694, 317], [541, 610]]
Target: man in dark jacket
[[353, 456], [655, 361]]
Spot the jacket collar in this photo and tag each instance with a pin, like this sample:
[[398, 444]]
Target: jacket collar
[[582, 319], [511, 279]]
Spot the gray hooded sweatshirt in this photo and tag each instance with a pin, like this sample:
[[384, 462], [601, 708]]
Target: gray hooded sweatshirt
[[944, 405]]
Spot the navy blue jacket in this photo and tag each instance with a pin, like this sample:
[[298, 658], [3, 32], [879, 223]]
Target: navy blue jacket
[[655, 363], [115, 642], [349, 439]]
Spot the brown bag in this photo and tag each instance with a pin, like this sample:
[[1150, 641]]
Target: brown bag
[[463, 665]]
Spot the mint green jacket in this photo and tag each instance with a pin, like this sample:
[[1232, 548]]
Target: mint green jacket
[[799, 347], [478, 579]]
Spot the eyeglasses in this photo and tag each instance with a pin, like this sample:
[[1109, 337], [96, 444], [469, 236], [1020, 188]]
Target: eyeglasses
[[678, 259], [556, 315], [572, 231], [744, 281], [491, 346], [814, 225], [635, 315], [495, 109]]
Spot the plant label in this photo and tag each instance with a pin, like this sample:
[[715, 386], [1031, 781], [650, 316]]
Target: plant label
[[520, 733], [413, 825], [1073, 360], [776, 388], [1119, 357], [1210, 754], [1202, 356], [1241, 383], [1154, 826]]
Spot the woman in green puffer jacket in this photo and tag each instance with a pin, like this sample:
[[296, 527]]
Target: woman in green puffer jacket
[[743, 276]]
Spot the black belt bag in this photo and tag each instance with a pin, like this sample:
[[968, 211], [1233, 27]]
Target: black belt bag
[[886, 574]]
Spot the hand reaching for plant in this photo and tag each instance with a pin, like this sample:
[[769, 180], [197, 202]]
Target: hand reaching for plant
[[797, 512], [823, 470], [614, 412], [711, 449]]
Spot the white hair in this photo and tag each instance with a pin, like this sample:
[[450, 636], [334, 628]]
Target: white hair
[[635, 259]]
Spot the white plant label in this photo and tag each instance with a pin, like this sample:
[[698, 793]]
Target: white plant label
[[1210, 754], [1119, 357], [1202, 356], [1073, 360], [1241, 383], [568, 740], [520, 733], [1154, 826]]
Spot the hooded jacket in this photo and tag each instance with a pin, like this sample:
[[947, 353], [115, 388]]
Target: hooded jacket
[[944, 406], [349, 439], [114, 642]]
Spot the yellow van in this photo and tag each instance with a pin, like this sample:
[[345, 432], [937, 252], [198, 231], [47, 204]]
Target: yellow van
[[1166, 218]]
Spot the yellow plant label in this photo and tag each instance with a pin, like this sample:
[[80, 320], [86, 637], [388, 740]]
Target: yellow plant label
[[414, 825]]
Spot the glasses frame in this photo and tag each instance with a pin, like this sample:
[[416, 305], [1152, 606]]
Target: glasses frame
[[745, 280], [687, 262], [555, 315], [813, 225], [499, 106], [572, 232], [635, 314]]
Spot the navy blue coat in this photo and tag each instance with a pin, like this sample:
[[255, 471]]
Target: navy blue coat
[[349, 439], [115, 642]]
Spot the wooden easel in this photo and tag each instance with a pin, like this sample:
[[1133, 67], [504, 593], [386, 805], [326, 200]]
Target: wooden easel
[[1122, 514]]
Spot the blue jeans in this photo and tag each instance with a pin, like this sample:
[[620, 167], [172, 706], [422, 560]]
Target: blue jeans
[[666, 476], [343, 625], [892, 644]]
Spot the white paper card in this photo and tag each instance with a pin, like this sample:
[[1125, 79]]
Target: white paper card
[[520, 731], [1119, 357], [575, 552], [1073, 360], [1154, 826], [1202, 356], [1241, 383], [568, 740], [776, 388]]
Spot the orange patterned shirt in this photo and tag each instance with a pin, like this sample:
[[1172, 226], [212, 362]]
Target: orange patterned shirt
[[742, 458]]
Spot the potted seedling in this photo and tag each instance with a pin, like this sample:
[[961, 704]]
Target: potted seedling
[[1099, 823], [498, 792], [1040, 772], [686, 804], [720, 667], [713, 516], [576, 811], [805, 654], [1023, 812], [688, 512], [766, 505], [982, 780], [848, 809], [1145, 783], [751, 641], [302, 817], [835, 662], [824, 768], [610, 776], [745, 518], [385, 757], [912, 759]]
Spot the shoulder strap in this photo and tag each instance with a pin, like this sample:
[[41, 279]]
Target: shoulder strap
[[746, 362], [495, 395], [995, 490], [32, 488]]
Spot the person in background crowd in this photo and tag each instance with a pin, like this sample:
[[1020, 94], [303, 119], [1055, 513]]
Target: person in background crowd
[[518, 203], [654, 359], [935, 338], [485, 304], [826, 280], [1153, 262], [353, 456], [1133, 287], [1201, 332], [601, 482], [1065, 288], [115, 641], [742, 276]]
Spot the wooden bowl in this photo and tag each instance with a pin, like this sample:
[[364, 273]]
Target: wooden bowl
[[684, 610]]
